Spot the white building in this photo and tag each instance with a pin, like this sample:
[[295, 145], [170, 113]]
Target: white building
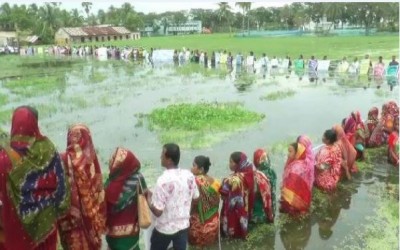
[[190, 27]]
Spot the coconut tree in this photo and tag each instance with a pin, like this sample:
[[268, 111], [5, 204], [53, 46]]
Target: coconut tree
[[224, 14], [245, 6], [87, 6]]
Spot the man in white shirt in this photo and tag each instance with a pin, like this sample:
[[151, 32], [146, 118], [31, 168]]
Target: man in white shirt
[[171, 201]]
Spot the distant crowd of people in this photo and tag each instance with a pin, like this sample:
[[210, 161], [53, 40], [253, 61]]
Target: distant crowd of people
[[46, 195]]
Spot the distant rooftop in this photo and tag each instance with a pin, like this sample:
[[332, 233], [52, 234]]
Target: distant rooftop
[[100, 30]]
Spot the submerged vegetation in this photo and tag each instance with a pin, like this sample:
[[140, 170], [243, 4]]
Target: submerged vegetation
[[200, 125], [278, 95], [34, 86]]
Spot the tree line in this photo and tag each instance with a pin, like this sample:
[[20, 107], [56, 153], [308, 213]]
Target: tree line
[[46, 19]]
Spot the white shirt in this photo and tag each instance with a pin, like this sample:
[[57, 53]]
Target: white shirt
[[250, 60], [173, 194], [274, 62]]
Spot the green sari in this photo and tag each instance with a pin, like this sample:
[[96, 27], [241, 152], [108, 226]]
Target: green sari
[[258, 212]]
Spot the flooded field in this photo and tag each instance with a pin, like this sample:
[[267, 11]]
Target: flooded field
[[115, 98]]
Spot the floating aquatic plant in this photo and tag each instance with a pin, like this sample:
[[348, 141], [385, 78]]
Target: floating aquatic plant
[[202, 124], [278, 95]]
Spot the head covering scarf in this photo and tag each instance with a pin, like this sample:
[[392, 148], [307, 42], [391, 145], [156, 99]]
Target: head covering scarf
[[310, 159], [121, 190], [263, 164], [82, 159], [36, 192], [246, 168], [121, 185], [238, 190], [296, 190]]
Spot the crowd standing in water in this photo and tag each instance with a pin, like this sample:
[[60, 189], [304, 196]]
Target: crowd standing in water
[[44, 194]]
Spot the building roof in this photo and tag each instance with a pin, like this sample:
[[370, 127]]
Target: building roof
[[96, 31], [32, 39]]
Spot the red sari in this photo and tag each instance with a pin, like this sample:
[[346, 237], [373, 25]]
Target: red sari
[[296, 191], [31, 173], [347, 150], [238, 199], [204, 218], [85, 223], [390, 112], [329, 156], [371, 123], [393, 148], [121, 196]]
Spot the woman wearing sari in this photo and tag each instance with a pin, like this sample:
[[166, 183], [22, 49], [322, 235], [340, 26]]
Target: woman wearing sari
[[238, 196], [295, 190], [356, 133], [262, 162], [33, 189], [204, 216], [390, 112], [310, 159], [328, 163], [371, 123], [393, 145], [85, 222], [121, 191], [348, 152]]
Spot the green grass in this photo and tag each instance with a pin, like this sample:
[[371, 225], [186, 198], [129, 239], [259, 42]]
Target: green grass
[[3, 99], [333, 47], [19, 66], [200, 125], [5, 116], [97, 77], [34, 85], [278, 95]]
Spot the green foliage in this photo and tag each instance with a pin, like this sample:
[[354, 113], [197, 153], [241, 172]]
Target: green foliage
[[5, 116], [34, 86], [278, 95], [3, 99], [199, 125], [97, 77]]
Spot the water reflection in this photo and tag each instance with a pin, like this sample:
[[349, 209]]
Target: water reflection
[[107, 95], [295, 233]]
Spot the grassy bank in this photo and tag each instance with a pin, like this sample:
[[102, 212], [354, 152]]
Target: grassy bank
[[333, 47]]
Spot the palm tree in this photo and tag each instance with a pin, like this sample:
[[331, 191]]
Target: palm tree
[[49, 19], [87, 6], [245, 6], [224, 13]]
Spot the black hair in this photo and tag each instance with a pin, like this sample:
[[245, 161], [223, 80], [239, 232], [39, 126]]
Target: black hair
[[330, 135], [294, 145], [172, 152], [203, 162], [236, 156], [31, 109], [344, 121]]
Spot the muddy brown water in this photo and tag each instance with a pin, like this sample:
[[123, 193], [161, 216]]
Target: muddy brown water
[[109, 107]]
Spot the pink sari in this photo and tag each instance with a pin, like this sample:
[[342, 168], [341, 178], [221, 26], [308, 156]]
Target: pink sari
[[329, 156]]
